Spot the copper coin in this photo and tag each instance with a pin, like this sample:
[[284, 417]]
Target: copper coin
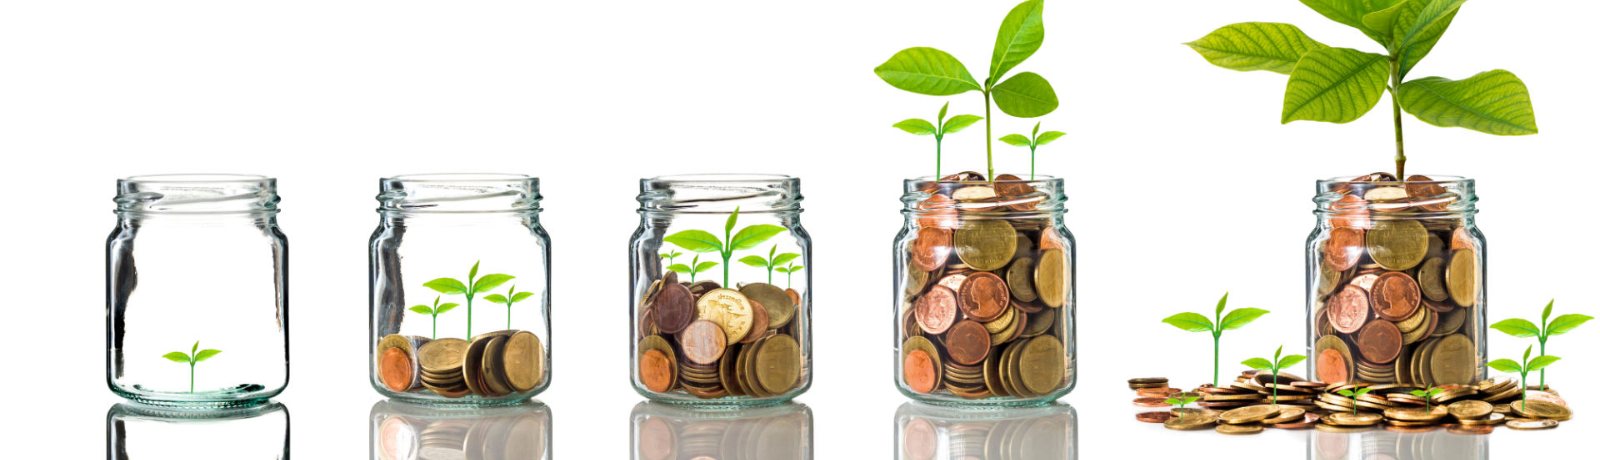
[[1332, 367], [673, 308], [760, 321], [1434, 197], [1395, 296], [1153, 417], [794, 296], [1311, 418], [1151, 402], [1344, 247], [655, 371], [937, 211], [703, 342], [1350, 211], [919, 371], [1162, 392], [967, 342], [395, 370], [1379, 342], [936, 310], [984, 296], [931, 248], [1348, 309]]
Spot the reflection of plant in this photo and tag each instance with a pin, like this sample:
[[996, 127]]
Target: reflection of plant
[[1506, 365], [694, 268], [434, 312], [788, 273], [938, 128], [470, 289], [1183, 399], [1032, 143], [1278, 362], [1518, 327], [771, 261], [1427, 397], [193, 357], [1195, 322], [671, 256], [511, 297], [703, 241], [1353, 394]]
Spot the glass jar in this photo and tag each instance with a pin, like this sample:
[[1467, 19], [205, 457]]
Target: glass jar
[[710, 323], [460, 290], [402, 431], [927, 432], [251, 432], [1452, 443], [985, 305], [1395, 282], [669, 432], [197, 291]]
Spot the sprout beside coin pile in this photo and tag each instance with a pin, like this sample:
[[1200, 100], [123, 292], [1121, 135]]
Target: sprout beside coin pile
[[492, 364]]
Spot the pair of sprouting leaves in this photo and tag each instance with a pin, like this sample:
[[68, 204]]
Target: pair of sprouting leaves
[[773, 261], [940, 126], [1032, 142], [1427, 397], [702, 241], [472, 287], [1274, 365], [1195, 322], [1524, 367], [934, 72], [194, 356], [1183, 399], [1354, 393]]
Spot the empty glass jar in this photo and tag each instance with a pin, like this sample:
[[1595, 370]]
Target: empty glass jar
[[460, 297], [720, 290], [197, 298]]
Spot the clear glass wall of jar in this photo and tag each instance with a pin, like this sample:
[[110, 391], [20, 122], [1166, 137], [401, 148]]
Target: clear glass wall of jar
[[460, 290], [985, 302], [197, 299], [672, 431], [930, 432], [720, 292], [403, 431], [1395, 288], [245, 433]]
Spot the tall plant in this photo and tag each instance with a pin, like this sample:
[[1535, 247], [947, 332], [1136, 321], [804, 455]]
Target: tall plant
[[1195, 322]]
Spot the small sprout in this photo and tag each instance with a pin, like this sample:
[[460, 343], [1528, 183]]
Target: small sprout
[[1517, 327], [1183, 399], [1195, 322], [788, 273], [1032, 143], [1506, 365], [937, 129], [771, 261], [702, 241], [1353, 395], [694, 268], [512, 297], [671, 256], [470, 289], [1427, 397], [193, 357], [434, 312], [1277, 362]]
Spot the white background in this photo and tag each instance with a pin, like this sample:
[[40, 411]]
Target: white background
[[1183, 184]]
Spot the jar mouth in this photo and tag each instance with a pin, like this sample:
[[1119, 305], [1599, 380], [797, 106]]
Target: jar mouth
[[459, 193], [1428, 196], [460, 177], [980, 198], [197, 194], [184, 178], [718, 193]]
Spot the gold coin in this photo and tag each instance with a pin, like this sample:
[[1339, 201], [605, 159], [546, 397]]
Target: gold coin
[[1430, 276], [1462, 277], [777, 364], [1019, 277], [1249, 414], [1415, 414], [494, 375], [1193, 421], [1541, 409], [780, 308], [1348, 419], [986, 245], [1239, 429], [1531, 424], [1040, 365], [1397, 244], [1052, 277], [1453, 361], [523, 361], [1492, 419], [729, 310], [1470, 409], [442, 355]]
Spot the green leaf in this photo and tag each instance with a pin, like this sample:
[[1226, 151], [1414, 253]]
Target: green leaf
[[781, 269], [1424, 30], [1335, 85], [1506, 365], [916, 126], [942, 111], [703, 266], [1545, 317], [1238, 318], [177, 357], [1016, 140], [695, 240], [496, 298], [1192, 322], [1260, 364], [1021, 34], [1290, 360], [195, 348], [205, 354], [1517, 327], [1350, 12], [1383, 23], [423, 309], [1362, 391], [488, 282], [1048, 137], [1419, 393], [1494, 102], [1542, 362], [755, 261], [1525, 354], [1270, 46], [448, 286], [732, 219], [784, 258], [680, 268], [1347, 393], [796, 268], [473, 274], [927, 71], [1565, 323], [1025, 95], [1221, 304], [521, 296], [750, 237], [960, 122], [446, 307]]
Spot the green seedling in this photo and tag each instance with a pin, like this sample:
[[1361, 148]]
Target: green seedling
[[933, 72], [1195, 322], [512, 297], [1427, 397], [1353, 394], [1032, 143], [695, 267], [470, 289], [788, 274], [1183, 399], [193, 357], [938, 128], [1507, 365], [771, 261], [434, 312], [1278, 362], [704, 242], [1339, 85], [1563, 324], [671, 256]]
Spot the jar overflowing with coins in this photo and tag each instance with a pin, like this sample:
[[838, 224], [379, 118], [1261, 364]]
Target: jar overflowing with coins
[[460, 290], [720, 290], [984, 296], [929, 432], [1395, 282]]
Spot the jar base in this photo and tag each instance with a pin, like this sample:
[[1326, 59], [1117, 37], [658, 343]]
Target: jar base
[[239, 397]]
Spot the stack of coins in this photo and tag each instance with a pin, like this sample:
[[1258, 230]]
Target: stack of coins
[[986, 281], [493, 364], [713, 342], [1396, 288]]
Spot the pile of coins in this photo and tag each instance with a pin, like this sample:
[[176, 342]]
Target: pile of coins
[[492, 364], [986, 281], [1397, 287], [713, 342]]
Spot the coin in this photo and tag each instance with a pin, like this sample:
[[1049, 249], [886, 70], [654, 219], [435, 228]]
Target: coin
[[442, 355], [656, 371], [931, 248], [1333, 361], [1348, 309], [703, 342], [673, 308], [1395, 296], [937, 211], [779, 306], [1147, 382], [1051, 278], [1232, 429], [1019, 277], [967, 342], [1397, 244], [936, 310], [1531, 424], [1154, 417], [729, 310], [1541, 409], [1453, 361], [494, 375], [1462, 277], [396, 370], [920, 374], [1470, 409], [1379, 341], [1197, 421], [1491, 419], [777, 364], [1352, 419], [983, 297], [1041, 364], [1430, 278], [985, 244], [1286, 414], [1343, 248]]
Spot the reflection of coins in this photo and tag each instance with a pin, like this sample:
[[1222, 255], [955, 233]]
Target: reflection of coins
[[1397, 244], [986, 245], [920, 440], [1462, 277], [656, 440]]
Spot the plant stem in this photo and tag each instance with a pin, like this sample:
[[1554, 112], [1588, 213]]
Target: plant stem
[[1216, 358], [938, 156], [988, 135], [1032, 154], [1274, 385], [1399, 133], [469, 315], [191, 378], [1541, 353], [435, 325], [727, 235], [508, 314]]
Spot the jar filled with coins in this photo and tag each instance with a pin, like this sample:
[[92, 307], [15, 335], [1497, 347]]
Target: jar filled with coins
[[1395, 282], [720, 290], [460, 290], [984, 296], [197, 296]]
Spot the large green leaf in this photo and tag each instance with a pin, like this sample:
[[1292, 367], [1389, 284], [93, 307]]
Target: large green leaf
[[1025, 95], [1419, 29], [1517, 327], [1542, 362], [917, 126], [959, 122], [927, 71], [491, 281], [1566, 323], [1258, 364], [447, 286], [1351, 12], [177, 357], [1494, 102], [1238, 318], [1192, 322], [1269, 46], [1335, 85], [1506, 365], [205, 354], [695, 240], [1021, 34], [750, 237]]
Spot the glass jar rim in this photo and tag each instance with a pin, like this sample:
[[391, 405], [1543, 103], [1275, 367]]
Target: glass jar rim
[[194, 178], [1438, 197], [1432, 180], [458, 193], [718, 193], [460, 177], [197, 194]]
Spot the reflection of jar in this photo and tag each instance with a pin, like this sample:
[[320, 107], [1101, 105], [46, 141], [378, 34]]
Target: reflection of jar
[[984, 296], [925, 432], [721, 290], [666, 432], [1395, 282], [1399, 446], [460, 290], [253, 432], [402, 431], [197, 294]]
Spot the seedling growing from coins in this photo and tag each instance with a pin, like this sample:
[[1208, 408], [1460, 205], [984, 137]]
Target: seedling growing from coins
[[1427, 397], [470, 289], [1353, 394], [1517, 327], [788, 273], [1339, 85], [671, 256], [938, 128], [434, 312], [1195, 322], [771, 261], [933, 72], [1032, 143], [1183, 399], [512, 297], [1277, 362], [193, 357], [694, 268], [1506, 365], [702, 241]]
